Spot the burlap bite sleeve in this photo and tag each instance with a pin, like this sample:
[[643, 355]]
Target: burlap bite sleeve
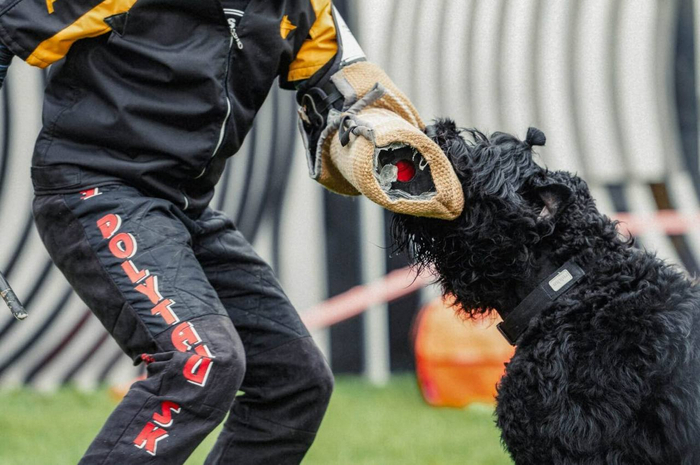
[[376, 147]]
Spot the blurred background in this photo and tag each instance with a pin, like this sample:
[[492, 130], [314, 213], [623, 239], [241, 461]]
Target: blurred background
[[612, 83]]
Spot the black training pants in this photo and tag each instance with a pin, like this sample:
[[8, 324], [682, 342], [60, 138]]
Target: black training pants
[[192, 300]]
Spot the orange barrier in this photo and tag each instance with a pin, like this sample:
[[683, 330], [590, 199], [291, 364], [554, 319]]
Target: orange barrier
[[457, 361]]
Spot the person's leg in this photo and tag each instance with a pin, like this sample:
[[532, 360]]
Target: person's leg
[[130, 259], [288, 384]]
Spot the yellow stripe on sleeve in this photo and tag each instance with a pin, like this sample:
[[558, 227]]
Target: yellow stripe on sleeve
[[322, 45], [91, 24]]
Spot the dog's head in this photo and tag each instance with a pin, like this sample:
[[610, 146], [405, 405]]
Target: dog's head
[[511, 206]]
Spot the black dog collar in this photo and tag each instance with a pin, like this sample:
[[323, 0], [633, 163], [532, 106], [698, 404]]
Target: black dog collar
[[546, 292]]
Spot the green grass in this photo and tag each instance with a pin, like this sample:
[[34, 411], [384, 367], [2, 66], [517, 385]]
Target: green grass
[[364, 425]]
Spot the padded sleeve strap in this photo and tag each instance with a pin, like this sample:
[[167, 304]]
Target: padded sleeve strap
[[329, 47], [320, 47]]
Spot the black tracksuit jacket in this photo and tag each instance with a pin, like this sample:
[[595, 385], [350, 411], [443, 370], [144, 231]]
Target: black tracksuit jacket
[[158, 93]]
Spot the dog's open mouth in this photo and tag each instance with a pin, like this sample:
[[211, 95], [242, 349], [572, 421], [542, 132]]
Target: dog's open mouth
[[402, 172]]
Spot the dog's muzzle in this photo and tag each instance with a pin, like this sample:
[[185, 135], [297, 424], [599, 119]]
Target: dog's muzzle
[[376, 146]]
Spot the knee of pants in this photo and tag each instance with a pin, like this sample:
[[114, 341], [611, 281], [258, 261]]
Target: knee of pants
[[230, 372], [296, 384], [314, 392], [313, 375], [210, 373], [320, 377]]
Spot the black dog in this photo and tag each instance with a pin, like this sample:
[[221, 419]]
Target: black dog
[[607, 368]]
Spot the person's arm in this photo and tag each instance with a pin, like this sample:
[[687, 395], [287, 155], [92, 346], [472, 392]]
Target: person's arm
[[362, 134]]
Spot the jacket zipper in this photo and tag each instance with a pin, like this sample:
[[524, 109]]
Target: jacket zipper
[[222, 131]]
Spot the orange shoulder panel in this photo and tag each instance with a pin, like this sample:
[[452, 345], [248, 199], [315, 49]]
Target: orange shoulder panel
[[320, 47]]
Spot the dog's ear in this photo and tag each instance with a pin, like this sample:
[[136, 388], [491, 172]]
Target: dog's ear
[[555, 196]]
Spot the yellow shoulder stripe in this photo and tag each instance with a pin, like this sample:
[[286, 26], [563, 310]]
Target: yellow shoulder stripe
[[91, 24], [322, 45]]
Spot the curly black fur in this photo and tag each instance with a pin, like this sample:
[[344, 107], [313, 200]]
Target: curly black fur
[[607, 374]]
